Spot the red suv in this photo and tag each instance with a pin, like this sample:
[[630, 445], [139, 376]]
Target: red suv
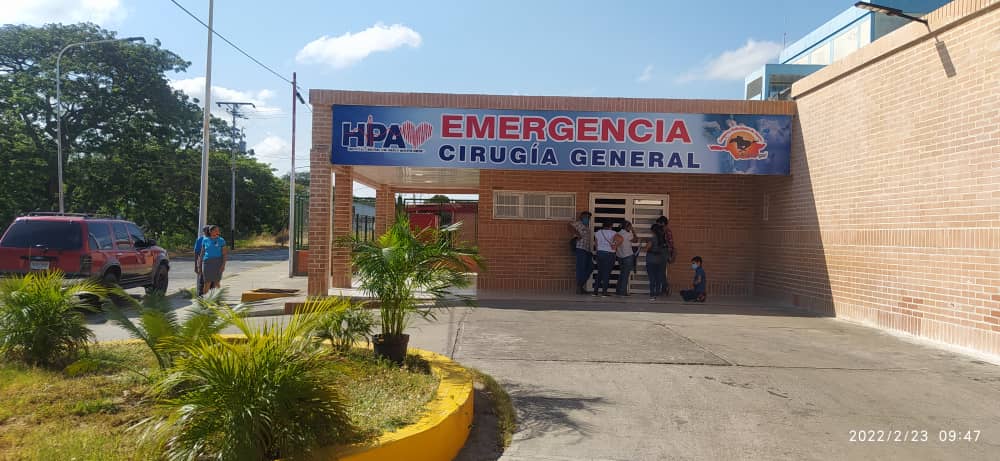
[[84, 246]]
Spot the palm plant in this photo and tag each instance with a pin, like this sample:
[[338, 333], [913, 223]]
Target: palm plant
[[41, 319], [343, 323], [160, 328], [401, 263], [268, 396]]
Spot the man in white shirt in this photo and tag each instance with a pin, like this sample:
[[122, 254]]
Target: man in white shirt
[[584, 244]]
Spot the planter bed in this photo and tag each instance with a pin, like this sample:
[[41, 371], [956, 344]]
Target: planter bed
[[84, 412]]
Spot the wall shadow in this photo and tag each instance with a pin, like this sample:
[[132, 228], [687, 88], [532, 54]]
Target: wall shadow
[[738, 306], [946, 63], [791, 256]]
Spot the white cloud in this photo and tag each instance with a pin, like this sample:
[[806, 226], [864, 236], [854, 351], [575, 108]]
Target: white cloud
[[348, 49], [272, 148], [646, 75], [37, 12], [735, 64], [195, 88]]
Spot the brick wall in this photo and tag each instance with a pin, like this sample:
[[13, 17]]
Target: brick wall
[[710, 215], [892, 214]]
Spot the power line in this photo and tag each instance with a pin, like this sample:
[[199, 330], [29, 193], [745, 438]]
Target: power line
[[217, 34]]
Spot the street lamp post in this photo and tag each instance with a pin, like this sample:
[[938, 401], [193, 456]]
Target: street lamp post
[[59, 109]]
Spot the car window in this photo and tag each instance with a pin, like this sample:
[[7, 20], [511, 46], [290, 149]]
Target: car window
[[100, 234], [54, 235], [121, 237], [135, 232]]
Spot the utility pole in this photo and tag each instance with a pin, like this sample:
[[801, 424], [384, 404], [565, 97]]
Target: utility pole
[[206, 129], [234, 110]]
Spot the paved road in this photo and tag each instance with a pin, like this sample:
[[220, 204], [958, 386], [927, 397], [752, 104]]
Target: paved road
[[182, 274], [244, 271]]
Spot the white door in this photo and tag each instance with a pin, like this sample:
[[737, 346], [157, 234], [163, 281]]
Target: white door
[[641, 211]]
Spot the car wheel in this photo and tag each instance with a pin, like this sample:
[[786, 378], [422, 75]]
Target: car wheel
[[160, 281], [109, 279]]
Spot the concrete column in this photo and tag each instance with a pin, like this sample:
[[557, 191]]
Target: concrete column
[[385, 208], [343, 201], [320, 215]]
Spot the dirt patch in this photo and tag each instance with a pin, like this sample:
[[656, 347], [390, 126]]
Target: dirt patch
[[484, 442]]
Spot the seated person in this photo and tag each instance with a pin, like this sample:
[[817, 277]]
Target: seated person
[[697, 293]]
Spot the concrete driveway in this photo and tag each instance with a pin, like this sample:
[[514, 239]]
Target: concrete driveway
[[600, 379]]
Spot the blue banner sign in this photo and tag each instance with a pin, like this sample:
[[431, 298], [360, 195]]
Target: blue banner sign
[[561, 140]]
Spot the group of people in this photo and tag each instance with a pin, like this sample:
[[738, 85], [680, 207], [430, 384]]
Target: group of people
[[210, 255], [625, 246]]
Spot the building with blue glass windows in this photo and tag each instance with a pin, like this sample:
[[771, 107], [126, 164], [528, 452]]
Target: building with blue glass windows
[[837, 38]]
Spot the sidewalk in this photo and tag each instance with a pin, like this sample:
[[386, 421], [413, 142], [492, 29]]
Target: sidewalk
[[268, 276], [739, 380], [733, 378]]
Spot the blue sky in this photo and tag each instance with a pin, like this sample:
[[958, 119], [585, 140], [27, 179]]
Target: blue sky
[[656, 49]]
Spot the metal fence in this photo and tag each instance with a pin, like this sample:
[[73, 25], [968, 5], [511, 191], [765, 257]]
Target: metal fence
[[364, 227], [301, 237]]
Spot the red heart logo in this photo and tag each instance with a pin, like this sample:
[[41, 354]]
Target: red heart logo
[[415, 135]]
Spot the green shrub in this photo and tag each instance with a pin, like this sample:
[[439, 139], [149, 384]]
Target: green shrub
[[166, 335], [41, 320], [263, 397], [402, 262], [342, 322], [176, 241], [89, 407]]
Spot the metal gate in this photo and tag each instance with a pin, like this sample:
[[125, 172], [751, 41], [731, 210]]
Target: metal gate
[[641, 211]]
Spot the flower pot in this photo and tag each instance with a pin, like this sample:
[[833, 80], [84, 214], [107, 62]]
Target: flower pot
[[391, 347]]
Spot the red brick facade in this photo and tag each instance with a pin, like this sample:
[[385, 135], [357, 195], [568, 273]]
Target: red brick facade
[[891, 215], [710, 215]]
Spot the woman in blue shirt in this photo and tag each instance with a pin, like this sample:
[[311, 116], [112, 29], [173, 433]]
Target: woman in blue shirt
[[198, 256], [214, 260]]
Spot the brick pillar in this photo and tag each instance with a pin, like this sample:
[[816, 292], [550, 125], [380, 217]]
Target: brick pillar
[[385, 209], [320, 215], [343, 200]]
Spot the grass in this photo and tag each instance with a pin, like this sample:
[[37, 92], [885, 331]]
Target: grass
[[84, 413], [384, 397], [502, 406], [183, 245], [259, 241], [49, 415]]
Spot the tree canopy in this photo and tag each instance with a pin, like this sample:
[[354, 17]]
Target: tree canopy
[[131, 143]]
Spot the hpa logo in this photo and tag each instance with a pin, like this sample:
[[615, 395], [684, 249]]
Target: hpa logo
[[382, 137], [742, 142]]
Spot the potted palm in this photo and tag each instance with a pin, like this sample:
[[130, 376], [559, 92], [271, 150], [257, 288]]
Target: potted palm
[[403, 263]]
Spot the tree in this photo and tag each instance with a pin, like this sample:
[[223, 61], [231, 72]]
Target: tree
[[439, 199], [131, 143]]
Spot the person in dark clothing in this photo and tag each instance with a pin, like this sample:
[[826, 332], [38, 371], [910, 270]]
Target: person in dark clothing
[[656, 260], [583, 244], [697, 291], [670, 253]]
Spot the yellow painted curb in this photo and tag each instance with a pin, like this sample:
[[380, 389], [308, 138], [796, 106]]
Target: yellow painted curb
[[438, 436], [251, 296]]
